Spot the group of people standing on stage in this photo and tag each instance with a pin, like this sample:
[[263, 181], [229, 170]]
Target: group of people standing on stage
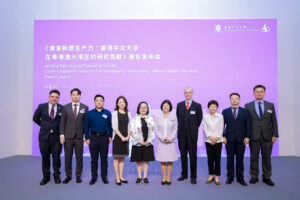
[[73, 124]]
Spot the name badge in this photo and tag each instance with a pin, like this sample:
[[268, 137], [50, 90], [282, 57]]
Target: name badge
[[59, 114], [104, 116], [51, 131], [269, 111], [192, 112], [81, 111]]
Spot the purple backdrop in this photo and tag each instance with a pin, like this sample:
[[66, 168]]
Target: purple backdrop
[[154, 60]]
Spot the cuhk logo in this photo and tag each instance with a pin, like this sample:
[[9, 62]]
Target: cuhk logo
[[218, 28], [265, 28]]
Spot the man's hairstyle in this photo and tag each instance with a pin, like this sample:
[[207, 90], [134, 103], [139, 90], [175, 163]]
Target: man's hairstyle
[[98, 95], [77, 90], [259, 86], [54, 91], [234, 93]]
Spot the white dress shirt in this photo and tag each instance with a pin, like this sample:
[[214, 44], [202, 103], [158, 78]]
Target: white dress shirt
[[213, 125]]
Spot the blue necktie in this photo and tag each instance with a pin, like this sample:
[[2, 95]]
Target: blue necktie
[[260, 110]]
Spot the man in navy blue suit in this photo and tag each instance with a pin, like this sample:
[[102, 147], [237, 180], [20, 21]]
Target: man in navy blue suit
[[47, 116], [237, 133]]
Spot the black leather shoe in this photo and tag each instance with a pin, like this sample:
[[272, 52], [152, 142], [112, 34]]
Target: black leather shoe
[[104, 180], [57, 180], [45, 180], [146, 181], [253, 180], [242, 182], [268, 181], [138, 181], [78, 179], [119, 183], [93, 181], [168, 183], [193, 181], [163, 182], [229, 181], [124, 181], [181, 178], [67, 180]]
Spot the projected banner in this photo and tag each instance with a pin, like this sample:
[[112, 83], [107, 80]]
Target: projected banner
[[154, 60]]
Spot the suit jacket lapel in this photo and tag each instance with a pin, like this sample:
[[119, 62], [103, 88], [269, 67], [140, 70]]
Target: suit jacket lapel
[[70, 108], [265, 108], [254, 110]]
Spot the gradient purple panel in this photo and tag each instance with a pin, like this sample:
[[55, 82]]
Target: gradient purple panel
[[154, 60]]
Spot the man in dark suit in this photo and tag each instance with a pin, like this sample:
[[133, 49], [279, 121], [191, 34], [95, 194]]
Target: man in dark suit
[[189, 116], [47, 116], [71, 134], [236, 136], [264, 134]]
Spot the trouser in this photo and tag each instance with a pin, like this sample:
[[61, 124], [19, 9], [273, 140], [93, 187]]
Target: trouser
[[49, 147], [69, 146], [214, 158], [265, 147], [238, 150], [99, 145], [187, 145]]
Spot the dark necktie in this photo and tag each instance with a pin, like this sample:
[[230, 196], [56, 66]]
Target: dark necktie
[[75, 111], [234, 113], [260, 110], [187, 105], [52, 113]]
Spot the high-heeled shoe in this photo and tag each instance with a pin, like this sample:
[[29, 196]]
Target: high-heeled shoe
[[118, 183], [210, 180], [124, 181], [163, 182]]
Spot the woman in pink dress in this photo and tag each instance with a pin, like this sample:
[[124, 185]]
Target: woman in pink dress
[[166, 131]]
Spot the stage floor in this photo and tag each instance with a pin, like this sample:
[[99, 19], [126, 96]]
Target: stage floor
[[20, 177]]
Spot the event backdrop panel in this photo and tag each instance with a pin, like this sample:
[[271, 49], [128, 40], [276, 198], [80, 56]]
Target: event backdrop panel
[[154, 60]]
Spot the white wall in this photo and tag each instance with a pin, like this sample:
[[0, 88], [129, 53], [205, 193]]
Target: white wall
[[17, 72]]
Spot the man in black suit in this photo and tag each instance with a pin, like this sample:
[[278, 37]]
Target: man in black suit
[[71, 134], [189, 116], [47, 116], [264, 134], [237, 133]]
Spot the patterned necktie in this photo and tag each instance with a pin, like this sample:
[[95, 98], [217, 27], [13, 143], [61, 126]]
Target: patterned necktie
[[234, 113], [52, 113], [260, 110], [187, 105], [75, 110]]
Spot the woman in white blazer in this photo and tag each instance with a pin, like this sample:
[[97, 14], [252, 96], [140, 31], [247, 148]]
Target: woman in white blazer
[[142, 129], [213, 127], [121, 134]]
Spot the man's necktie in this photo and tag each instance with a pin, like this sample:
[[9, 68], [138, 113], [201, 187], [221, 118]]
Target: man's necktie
[[187, 105], [234, 113], [75, 111], [260, 110], [52, 113]]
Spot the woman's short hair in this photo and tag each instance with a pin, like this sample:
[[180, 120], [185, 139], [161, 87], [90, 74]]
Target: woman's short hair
[[213, 102], [168, 102], [138, 108]]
